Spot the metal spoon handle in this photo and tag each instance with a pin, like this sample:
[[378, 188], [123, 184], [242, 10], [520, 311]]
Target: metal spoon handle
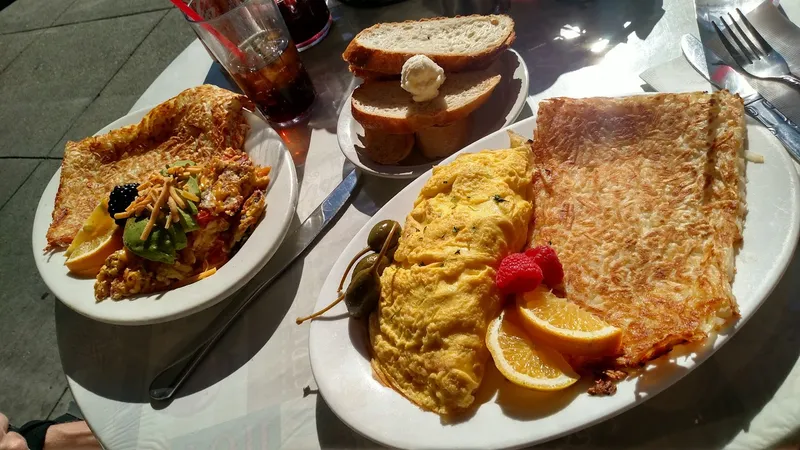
[[169, 380]]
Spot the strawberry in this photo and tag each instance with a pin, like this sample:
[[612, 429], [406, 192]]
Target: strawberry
[[518, 273], [545, 257]]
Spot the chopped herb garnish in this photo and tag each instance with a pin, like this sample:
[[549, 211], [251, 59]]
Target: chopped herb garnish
[[455, 229], [458, 252], [498, 199]]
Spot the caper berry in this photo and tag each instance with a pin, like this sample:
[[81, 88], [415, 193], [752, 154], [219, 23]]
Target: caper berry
[[367, 262], [379, 233], [362, 294]]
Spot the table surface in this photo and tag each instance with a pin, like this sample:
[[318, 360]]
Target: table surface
[[256, 390]]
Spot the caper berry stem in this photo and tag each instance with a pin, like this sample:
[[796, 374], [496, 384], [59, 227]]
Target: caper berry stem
[[385, 248], [350, 266], [322, 311]]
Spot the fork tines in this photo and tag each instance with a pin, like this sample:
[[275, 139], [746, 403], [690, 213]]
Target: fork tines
[[743, 54]]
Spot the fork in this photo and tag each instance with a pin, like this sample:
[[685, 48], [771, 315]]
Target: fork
[[763, 62]]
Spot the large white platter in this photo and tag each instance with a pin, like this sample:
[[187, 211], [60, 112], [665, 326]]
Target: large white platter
[[510, 416], [502, 109], [265, 148]]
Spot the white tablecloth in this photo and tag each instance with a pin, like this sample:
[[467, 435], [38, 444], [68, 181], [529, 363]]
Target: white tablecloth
[[256, 389]]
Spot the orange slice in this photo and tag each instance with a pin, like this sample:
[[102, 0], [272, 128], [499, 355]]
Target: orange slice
[[521, 361], [98, 238], [565, 326]]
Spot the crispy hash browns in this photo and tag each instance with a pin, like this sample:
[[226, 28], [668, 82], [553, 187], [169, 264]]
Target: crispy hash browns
[[643, 199], [194, 125]]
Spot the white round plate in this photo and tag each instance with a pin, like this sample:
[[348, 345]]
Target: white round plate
[[265, 148], [501, 110], [510, 416]]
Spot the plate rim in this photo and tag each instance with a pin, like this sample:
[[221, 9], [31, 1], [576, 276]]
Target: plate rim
[[668, 380], [344, 119], [45, 216]]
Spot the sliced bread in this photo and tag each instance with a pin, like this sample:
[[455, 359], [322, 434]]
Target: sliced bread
[[385, 106], [384, 148], [454, 43], [443, 140]]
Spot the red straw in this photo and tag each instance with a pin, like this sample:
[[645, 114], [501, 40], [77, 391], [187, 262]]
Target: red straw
[[196, 17]]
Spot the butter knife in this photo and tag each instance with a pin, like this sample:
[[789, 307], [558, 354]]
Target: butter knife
[[723, 76], [169, 380]]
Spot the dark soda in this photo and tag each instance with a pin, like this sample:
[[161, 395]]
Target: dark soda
[[306, 19], [277, 82]]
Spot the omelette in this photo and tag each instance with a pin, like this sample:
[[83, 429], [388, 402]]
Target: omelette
[[643, 200], [427, 335], [195, 125]]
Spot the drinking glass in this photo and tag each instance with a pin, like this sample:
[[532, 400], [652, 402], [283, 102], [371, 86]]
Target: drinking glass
[[308, 20], [252, 43]]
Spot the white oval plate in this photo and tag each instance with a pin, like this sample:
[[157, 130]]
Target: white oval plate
[[513, 416], [265, 148], [501, 110]]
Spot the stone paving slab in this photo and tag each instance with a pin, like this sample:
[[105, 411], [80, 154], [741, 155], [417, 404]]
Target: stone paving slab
[[32, 378], [25, 15], [14, 172], [30, 128], [59, 75], [62, 407], [164, 43], [11, 45], [84, 10]]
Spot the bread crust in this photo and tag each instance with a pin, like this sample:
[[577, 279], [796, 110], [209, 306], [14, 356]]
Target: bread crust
[[391, 63]]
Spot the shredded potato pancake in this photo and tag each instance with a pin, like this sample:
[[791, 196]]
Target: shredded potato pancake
[[642, 198]]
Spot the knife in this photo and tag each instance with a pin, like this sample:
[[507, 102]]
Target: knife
[[723, 76], [169, 380]]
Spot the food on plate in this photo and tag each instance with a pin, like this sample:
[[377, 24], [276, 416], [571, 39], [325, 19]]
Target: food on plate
[[522, 361], [385, 106], [446, 71], [385, 148], [194, 125], [454, 43], [181, 223], [98, 238], [443, 140], [642, 198], [564, 326], [592, 249], [363, 292], [422, 78], [428, 334]]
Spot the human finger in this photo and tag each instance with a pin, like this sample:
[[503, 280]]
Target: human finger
[[13, 441]]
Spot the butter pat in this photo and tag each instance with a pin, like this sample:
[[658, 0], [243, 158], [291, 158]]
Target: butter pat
[[421, 77]]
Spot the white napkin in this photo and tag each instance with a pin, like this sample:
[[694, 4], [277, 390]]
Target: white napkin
[[676, 75]]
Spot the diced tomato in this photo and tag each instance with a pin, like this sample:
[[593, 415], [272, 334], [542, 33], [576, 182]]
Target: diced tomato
[[217, 255], [204, 217]]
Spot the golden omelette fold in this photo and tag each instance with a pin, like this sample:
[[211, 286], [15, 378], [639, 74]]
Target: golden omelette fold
[[438, 297], [643, 200]]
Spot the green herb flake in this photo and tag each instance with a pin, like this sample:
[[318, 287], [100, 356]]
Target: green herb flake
[[193, 187], [186, 220], [498, 199]]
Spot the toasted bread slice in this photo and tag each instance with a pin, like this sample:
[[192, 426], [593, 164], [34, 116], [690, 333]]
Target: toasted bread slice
[[385, 106], [444, 140], [384, 148], [454, 43]]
